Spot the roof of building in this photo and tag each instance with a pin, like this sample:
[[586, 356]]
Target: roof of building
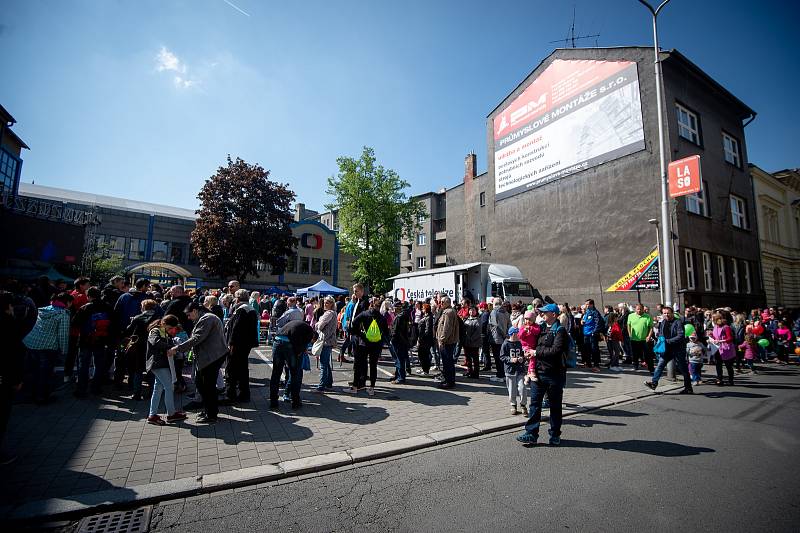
[[16, 138], [666, 54], [99, 200], [6, 116]]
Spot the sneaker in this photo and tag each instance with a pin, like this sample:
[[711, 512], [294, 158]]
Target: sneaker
[[686, 391], [595, 369], [419, 372], [526, 438], [514, 410], [555, 441], [446, 385], [203, 418], [525, 410], [156, 420], [650, 385], [371, 391], [176, 417], [616, 369], [286, 399], [496, 379]]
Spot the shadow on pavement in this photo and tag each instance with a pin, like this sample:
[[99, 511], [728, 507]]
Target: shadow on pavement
[[731, 394], [584, 423], [619, 412], [647, 447]]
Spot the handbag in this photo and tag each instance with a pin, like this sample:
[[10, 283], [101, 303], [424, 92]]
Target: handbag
[[319, 344], [306, 364], [660, 346]]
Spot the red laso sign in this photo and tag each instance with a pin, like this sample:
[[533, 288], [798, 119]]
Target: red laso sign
[[685, 177]]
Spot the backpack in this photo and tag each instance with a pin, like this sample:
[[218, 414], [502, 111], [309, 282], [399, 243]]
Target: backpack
[[373, 333], [97, 326], [571, 354]]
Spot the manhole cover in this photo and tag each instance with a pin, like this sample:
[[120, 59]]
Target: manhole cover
[[133, 521]]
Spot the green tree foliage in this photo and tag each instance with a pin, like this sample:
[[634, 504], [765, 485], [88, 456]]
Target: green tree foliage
[[103, 264], [374, 213], [243, 219]]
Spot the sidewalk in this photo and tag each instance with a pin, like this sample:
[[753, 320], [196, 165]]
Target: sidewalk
[[72, 448]]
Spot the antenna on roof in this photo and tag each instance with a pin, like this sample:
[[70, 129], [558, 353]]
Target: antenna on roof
[[571, 37]]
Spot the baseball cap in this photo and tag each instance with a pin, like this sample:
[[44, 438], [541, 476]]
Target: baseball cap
[[512, 330], [549, 308], [530, 315]]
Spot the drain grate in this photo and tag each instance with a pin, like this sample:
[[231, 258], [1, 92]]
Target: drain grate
[[133, 521]]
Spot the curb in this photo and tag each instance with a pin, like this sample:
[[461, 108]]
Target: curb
[[117, 498]]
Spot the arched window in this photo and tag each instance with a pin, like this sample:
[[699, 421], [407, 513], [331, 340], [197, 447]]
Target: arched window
[[777, 276]]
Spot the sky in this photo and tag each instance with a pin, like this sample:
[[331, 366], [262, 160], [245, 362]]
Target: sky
[[145, 99]]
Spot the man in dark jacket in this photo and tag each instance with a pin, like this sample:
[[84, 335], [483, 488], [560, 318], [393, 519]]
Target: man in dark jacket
[[550, 377], [177, 306], [11, 370], [671, 328], [401, 342], [98, 328], [486, 336], [241, 334], [368, 350]]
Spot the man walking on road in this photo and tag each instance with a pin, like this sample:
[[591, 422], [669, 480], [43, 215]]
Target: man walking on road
[[671, 329], [240, 336], [551, 375], [291, 342], [447, 335], [499, 322]]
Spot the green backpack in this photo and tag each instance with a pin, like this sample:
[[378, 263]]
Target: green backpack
[[373, 332]]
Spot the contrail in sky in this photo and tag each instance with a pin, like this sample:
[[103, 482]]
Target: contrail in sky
[[237, 8]]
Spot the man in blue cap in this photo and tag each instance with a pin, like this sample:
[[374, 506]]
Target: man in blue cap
[[551, 370]]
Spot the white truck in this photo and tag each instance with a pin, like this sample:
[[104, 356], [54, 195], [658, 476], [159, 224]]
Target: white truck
[[479, 281]]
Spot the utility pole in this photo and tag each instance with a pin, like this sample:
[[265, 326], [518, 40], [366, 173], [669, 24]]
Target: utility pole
[[666, 230]]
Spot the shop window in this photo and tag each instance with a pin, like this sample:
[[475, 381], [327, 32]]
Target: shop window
[[316, 266], [160, 251], [305, 265], [176, 253], [326, 267], [137, 250]]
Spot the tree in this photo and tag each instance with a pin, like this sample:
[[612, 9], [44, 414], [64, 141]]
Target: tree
[[244, 219], [374, 213], [103, 264]]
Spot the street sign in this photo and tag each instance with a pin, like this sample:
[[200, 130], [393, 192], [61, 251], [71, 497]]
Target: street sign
[[644, 276], [685, 176]]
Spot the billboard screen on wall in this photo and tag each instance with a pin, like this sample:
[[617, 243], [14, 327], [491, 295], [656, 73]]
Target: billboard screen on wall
[[576, 115]]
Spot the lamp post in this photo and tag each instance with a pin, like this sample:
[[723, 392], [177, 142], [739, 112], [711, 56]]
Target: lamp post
[[666, 232], [654, 221]]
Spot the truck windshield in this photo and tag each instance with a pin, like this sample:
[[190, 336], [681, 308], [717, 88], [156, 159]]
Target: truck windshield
[[521, 289]]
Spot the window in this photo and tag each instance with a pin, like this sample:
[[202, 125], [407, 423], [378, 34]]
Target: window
[[176, 253], [731, 147], [723, 282], [482, 198], [421, 261], [116, 246], [697, 203], [421, 239], [688, 127], [734, 275], [771, 224], [160, 251], [689, 269], [747, 286], [738, 212], [316, 266], [305, 265], [777, 277], [291, 264], [421, 217], [483, 242], [326, 267], [706, 270], [8, 171], [137, 250]]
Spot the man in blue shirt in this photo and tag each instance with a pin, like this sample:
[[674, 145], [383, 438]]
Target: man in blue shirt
[[592, 324]]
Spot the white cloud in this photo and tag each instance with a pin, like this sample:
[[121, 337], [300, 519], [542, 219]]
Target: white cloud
[[167, 61]]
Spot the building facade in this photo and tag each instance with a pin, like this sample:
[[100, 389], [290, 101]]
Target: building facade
[[573, 181], [777, 197], [428, 248], [11, 147]]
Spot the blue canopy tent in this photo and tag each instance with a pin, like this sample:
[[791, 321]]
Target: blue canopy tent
[[322, 287]]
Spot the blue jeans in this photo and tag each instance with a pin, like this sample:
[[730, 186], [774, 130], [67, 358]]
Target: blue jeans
[[325, 371], [400, 360], [448, 363], [591, 356], [695, 371], [85, 358], [553, 387], [40, 372], [162, 386], [283, 355], [680, 366]]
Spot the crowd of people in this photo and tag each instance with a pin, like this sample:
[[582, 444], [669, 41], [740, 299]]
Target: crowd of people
[[128, 336]]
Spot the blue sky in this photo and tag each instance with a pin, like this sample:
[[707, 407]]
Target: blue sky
[[144, 99]]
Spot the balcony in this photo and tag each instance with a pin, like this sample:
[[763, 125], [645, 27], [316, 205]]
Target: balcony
[[406, 263], [440, 236], [440, 259]]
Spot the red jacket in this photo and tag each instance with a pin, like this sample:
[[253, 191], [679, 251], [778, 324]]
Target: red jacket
[[79, 300]]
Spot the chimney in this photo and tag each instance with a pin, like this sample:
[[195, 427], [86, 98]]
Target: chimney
[[470, 164], [299, 212]]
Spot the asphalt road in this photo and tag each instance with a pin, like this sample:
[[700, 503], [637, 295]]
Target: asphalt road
[[726, 459]]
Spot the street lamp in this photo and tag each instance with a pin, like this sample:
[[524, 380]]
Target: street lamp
[[654, 221], [666, 252]]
